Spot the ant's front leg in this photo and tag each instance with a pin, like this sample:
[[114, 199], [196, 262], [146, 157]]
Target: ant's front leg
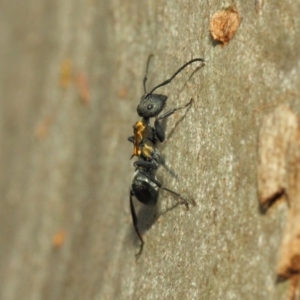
[[160, 133]]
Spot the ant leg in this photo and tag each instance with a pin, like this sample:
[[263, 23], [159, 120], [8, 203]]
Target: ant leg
[[176, 73], [184, 201], [160, 133], [171, 112], [134, 221], [162, 162], [131, 139]]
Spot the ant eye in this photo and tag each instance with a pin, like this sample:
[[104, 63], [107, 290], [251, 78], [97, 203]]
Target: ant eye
[[150, 106]]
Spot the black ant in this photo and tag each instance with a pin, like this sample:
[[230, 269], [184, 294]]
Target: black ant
[[145, 186]]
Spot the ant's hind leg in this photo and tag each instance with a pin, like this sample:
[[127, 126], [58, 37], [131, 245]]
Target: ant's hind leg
[[184, 201], [135, 221]]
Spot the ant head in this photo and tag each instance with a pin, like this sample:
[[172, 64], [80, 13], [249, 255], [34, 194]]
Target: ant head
[[151, 105]]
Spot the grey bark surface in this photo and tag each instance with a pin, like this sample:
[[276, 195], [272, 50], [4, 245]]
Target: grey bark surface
[[77, 177]]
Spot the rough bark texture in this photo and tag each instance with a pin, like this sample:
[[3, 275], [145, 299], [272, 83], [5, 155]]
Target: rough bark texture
[[64, 162]]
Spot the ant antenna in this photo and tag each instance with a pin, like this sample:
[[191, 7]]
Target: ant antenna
[[170, 79], [147, 67]]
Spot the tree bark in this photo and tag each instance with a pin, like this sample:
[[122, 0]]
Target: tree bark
[[70, 79]]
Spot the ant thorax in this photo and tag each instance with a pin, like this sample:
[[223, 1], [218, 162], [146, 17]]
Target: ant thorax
[[143, 143]]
